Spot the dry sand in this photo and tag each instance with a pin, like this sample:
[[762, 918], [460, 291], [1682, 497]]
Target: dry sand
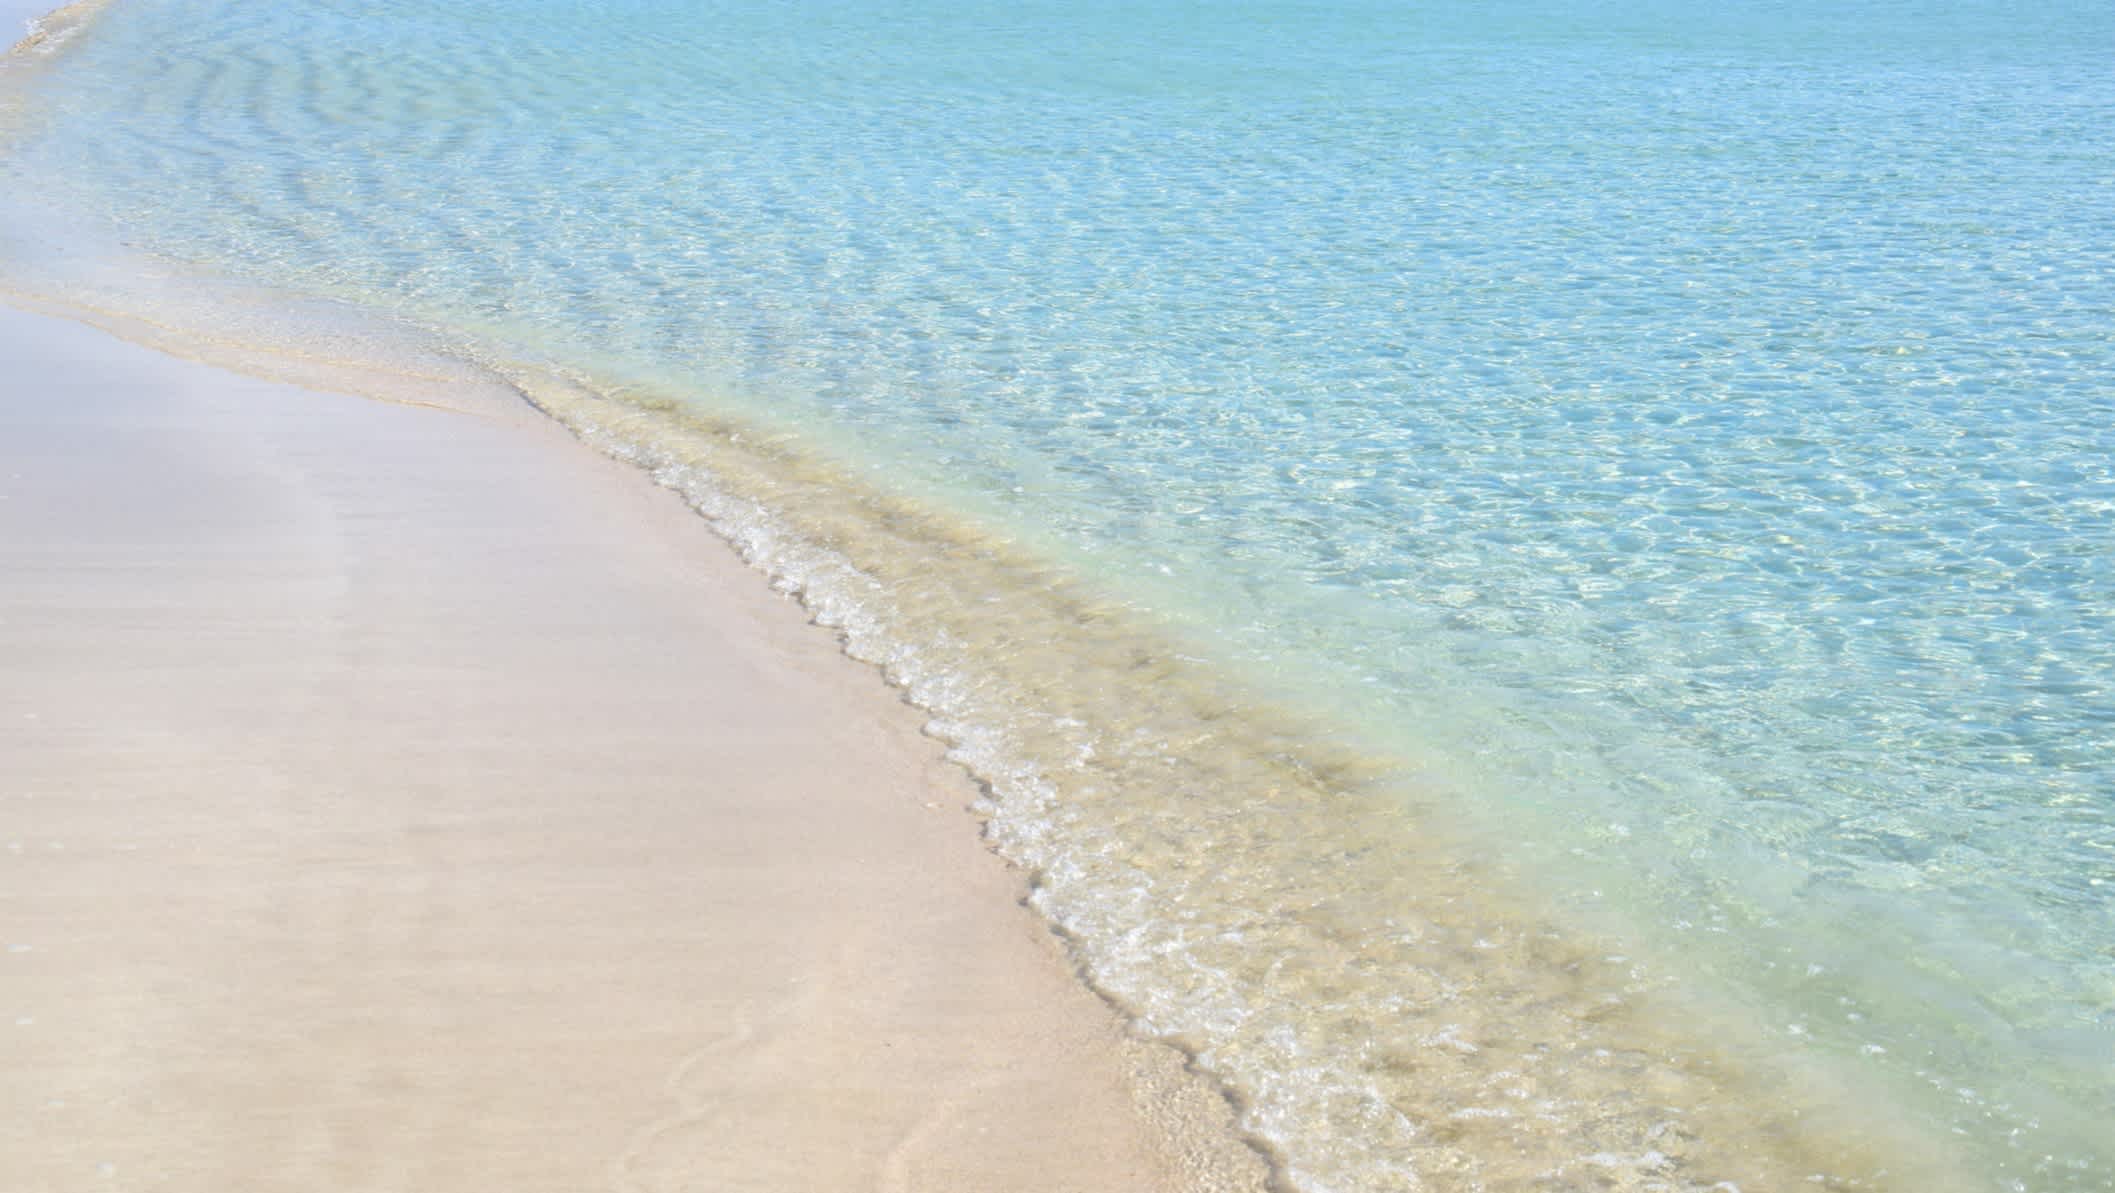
[[397, 799]]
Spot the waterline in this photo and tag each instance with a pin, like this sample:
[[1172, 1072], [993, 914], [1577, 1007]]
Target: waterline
[[1344, 563], [1383, 992]]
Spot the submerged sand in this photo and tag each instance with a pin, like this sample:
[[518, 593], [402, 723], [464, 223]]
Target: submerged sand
[[410, 799], [15, 18]]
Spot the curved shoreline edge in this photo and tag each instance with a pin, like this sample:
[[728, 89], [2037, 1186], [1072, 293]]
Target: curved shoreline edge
[[1179, 1127], [43, 27], [306, 365], [261, 332], [459, 824]]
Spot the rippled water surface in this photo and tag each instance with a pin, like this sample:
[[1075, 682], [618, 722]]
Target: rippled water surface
[[1436, 520]]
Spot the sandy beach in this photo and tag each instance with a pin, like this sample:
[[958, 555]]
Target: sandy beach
[[410, 799]]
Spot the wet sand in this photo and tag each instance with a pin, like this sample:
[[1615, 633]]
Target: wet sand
[[405, 799]]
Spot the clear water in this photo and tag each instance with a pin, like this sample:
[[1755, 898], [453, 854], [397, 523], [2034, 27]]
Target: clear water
[[1536, 581]]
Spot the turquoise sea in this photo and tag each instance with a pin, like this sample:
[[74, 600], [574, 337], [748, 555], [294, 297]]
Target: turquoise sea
[[1534, 582]]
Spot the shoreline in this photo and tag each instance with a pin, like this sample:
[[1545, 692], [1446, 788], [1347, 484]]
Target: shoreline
[[27, 25], [386, 814], [791, 517], [682, 461]]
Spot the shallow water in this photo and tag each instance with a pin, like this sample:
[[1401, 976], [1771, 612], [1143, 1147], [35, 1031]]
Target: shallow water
[[1536, 585]]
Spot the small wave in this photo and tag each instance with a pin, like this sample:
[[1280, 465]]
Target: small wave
[[1302, 917], [1299, 917], [53, 31]]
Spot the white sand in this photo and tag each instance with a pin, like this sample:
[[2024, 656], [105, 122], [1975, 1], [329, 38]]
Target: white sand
[[395, 799]]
